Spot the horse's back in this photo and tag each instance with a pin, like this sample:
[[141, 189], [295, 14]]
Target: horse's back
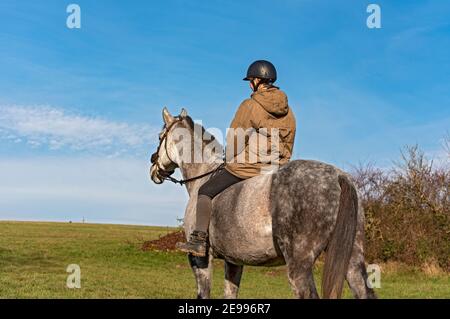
[[247, 215]]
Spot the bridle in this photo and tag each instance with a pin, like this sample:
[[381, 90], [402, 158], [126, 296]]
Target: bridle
[[167, 175]]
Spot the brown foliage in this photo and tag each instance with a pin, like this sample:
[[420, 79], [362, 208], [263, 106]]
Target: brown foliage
[[407, 210]]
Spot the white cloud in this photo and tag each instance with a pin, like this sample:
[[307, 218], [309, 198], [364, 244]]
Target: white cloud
[[93, 183], [56, 129]]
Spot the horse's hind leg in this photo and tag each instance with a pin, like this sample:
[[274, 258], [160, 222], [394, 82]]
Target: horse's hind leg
[[202, 268], [357, 280], [300, 264], [233, 275], [357, 274], [302, 281]]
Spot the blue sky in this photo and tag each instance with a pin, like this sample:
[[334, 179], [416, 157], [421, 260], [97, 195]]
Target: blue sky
[[79, 109]]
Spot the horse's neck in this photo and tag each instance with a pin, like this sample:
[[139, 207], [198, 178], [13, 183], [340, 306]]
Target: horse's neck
[[209, 161], [194, 170]]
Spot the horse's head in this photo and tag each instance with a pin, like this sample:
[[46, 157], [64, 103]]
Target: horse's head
[[166, 158]]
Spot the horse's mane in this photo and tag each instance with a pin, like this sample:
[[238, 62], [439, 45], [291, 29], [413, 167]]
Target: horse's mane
[[193, 125]]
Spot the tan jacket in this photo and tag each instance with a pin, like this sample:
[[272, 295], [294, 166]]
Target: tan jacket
[[268, 125]]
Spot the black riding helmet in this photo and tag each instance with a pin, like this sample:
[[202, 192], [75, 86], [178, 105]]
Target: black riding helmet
[[262, 69]]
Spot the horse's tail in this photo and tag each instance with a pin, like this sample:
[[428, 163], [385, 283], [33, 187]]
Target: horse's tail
[[340, 246]]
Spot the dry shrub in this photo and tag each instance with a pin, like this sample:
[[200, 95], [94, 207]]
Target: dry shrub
[[432, 268], [407, 210]]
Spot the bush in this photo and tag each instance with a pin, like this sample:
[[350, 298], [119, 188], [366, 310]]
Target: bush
[[407, 209]]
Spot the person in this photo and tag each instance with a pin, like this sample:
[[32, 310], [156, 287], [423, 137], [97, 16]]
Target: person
[[266, 109]]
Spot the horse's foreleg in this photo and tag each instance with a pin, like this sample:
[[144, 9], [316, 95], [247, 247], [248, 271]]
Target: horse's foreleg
[[233, 275], [202, 268]]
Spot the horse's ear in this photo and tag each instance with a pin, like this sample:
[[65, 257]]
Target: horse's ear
[[167, 117], [183, 112]]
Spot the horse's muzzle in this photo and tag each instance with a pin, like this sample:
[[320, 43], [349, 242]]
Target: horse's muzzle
[[154, 176]]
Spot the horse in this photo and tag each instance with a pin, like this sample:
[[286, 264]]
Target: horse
[[287, 217]]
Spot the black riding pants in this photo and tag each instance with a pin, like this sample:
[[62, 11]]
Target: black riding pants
[[216, 184]]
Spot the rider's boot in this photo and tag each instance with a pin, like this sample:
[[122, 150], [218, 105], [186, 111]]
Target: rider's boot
[[197, 244]]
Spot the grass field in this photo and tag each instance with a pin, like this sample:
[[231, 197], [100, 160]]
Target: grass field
[[34, 258]]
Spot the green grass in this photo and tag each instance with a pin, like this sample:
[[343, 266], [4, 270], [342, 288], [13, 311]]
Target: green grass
[[34, 258]]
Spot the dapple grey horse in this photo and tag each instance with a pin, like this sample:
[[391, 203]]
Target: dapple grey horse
[[289, 216]]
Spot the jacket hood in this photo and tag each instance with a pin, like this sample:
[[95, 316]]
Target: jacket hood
[[273, 101]]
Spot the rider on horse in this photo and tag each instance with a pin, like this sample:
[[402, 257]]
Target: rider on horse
[[265, 110]]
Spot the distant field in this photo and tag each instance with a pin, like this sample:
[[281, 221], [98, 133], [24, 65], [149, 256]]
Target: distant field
[[34, 258]]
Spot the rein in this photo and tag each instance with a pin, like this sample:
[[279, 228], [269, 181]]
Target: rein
[[166, 175], [185, 181]]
